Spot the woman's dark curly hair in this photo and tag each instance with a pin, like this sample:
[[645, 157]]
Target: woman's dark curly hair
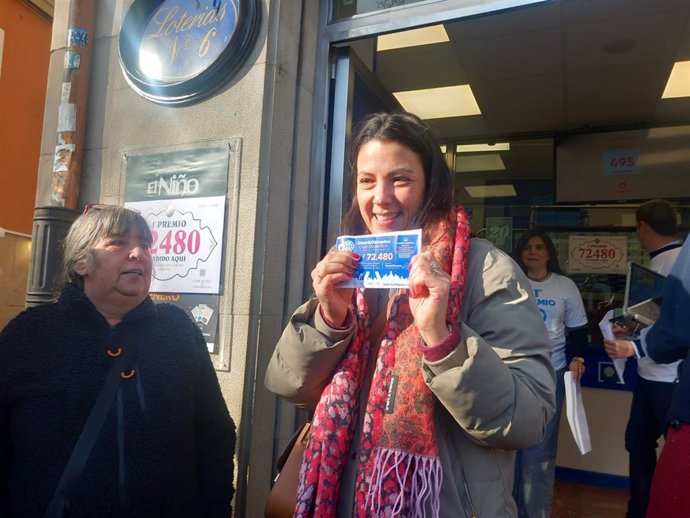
[[410, 131]]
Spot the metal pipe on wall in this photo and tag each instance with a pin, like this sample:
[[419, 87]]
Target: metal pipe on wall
[[69, 148], [52, 222]]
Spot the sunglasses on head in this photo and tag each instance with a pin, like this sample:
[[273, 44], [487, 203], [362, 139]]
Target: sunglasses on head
[[101, 206]]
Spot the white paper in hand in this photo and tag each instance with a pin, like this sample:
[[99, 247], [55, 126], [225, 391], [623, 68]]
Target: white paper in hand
[[575, 411], [607, 332]]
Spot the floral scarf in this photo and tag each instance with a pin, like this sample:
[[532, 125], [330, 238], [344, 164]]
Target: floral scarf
[[399, 471]]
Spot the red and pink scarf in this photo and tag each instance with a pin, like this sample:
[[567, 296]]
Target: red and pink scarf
[[399, 472]]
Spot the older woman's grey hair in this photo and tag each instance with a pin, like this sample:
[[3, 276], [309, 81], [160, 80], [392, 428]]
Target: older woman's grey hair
[[97, 222]]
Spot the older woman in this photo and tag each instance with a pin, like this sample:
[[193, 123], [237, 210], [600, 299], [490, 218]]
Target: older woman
[[419, 394], [166, 444], [560, 304]]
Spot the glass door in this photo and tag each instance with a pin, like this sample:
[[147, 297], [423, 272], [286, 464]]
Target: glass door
[[355, 93]]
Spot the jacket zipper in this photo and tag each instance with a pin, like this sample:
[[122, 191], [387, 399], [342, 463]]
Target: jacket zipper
[[472, 511]]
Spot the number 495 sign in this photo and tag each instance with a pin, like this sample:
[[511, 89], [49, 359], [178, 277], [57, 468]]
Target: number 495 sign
[[597, 254]]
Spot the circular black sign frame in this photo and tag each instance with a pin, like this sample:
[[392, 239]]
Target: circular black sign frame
[[206, 82]]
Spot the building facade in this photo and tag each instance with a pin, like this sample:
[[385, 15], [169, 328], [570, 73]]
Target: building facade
[[24, 38], [284, 117]]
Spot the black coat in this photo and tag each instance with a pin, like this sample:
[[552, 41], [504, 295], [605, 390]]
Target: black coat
[[166, 448]]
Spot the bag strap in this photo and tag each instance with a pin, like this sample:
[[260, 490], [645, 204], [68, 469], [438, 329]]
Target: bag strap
[[298, 436], [92, 427]]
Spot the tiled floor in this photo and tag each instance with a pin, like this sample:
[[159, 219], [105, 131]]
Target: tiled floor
[[579, 501]]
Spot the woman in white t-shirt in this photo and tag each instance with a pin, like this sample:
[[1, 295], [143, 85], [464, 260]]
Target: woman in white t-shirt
[[560, 305]]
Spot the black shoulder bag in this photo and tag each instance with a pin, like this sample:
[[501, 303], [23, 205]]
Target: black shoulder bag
[[59, 505]]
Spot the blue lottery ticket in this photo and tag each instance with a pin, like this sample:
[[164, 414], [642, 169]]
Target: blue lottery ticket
[[385, 258]]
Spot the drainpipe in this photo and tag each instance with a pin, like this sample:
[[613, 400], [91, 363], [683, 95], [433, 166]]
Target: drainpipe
[[52, 222]]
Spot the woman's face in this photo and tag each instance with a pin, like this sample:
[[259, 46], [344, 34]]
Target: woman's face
[[534, 254], [118, 271], [390, 185]]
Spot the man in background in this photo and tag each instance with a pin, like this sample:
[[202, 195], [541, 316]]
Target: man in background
[[657, 227]]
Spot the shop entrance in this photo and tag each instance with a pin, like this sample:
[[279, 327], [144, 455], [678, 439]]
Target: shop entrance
[[538, 77]]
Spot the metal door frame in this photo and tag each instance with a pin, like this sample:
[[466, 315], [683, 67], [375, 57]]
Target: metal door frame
[[358, 27]]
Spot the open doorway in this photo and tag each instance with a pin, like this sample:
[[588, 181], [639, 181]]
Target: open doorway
[[537, 75], [534, 75]]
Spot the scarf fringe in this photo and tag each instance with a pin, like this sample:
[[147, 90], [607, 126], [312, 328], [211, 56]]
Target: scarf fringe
[[423, 476]]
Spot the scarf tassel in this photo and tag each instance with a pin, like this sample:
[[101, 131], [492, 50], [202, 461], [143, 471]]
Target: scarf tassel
[[421, 473]]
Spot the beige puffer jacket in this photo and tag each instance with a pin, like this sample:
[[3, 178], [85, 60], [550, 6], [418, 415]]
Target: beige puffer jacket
[[495, 391]]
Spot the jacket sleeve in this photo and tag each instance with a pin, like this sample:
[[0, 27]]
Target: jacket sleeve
[[498, 383], [214, 432], [668, 339], [575, 322], [5, 446], [15, 337], [306, 355]]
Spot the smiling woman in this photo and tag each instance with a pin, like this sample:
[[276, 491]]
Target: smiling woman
[[419, 395], [390, 186], [169, 426]]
